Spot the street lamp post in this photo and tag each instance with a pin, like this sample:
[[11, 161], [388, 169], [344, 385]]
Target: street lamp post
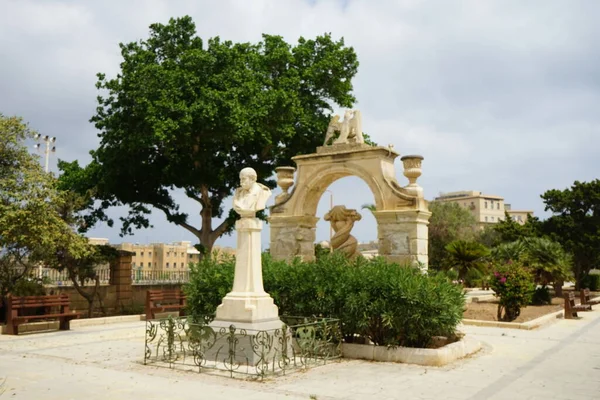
[[330, 225], [50, 140]]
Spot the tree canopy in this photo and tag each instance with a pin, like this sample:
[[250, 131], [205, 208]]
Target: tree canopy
[[28, 223], [190, 114], [575, 223], [448, 222]]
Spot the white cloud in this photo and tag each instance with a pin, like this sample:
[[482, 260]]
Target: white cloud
[[499, 96]]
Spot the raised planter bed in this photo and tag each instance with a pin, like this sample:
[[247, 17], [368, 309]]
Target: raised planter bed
[[533, 324], [409, 355]]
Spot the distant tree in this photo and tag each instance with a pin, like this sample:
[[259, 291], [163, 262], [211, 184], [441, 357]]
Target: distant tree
[[188, 114], [465, 255], [448, 222], [575, 223], [548, 262], [509, 230]]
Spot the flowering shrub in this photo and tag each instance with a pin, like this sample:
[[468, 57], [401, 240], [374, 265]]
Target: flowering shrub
[[513, 285]]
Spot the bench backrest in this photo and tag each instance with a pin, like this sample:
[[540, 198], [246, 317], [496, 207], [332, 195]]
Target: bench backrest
[[165, 295], [24, 302], [585, 295], [569, 299]]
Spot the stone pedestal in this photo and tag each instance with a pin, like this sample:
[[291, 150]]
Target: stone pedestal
[[248, 303]]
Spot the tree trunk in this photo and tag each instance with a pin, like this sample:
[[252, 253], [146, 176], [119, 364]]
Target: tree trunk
[[558, 291]]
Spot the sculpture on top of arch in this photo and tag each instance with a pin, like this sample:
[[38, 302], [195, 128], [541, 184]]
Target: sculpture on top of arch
[[401, 211]]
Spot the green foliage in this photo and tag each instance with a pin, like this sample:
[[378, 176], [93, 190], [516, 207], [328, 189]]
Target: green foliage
[[29, 223], [545, 259], [29, 287], [575, 224], [473, 278], [509, 230], [189, 114], [541, 296], [592, 282], [465, 256], [389, 304], [448, 222], [513, 285]]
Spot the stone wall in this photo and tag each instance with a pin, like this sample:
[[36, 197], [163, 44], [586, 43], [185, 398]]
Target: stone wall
[[108, 295]]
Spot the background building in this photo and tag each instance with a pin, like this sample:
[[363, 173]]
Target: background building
[[174, 256], [486, 208]]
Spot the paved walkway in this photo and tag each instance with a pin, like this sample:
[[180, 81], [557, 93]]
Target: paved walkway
[[560, 361]]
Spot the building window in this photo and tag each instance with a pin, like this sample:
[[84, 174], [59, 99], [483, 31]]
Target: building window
[[486, 204], [520, 219], [149, 254], [142, 265], [497, 206], [486, 219], [492, 219], [142, 254], [167, 265], [155, 264], [182, 254], [181, 265]]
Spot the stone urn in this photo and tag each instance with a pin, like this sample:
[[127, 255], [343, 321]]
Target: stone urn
[[285, 179], [412, 170]]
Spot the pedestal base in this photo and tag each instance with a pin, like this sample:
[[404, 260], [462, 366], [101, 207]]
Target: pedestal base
[[243, 308]]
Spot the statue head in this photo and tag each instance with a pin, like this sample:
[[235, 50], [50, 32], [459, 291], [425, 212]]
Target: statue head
[[247, 178], [340, 216]]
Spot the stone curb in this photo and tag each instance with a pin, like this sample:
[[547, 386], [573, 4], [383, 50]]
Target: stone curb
[[431, 357], [529, 325], [75, 323]]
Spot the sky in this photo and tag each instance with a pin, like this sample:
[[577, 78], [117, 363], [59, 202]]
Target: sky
[[499, 96]]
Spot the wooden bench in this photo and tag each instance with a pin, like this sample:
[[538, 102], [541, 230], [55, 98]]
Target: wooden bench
[[54, 307], [158, 301], [584, 295], [571, 308]]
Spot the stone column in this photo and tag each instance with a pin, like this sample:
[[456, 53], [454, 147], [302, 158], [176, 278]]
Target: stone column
[[292, 236], [248, 302], [120, 277], [403, 235]]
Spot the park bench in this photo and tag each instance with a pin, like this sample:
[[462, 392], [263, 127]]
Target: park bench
[[53, 307], [159, 301], [571, 308], [584, 295]]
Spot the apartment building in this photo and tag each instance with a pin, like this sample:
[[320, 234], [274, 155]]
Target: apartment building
[[166, 256], [486, 208]]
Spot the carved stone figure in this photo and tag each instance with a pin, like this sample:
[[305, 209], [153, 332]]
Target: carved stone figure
[[350, 128], [251, 196], [248, 303], [342, 220]]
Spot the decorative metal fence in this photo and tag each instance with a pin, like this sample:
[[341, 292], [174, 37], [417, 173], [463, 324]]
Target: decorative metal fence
[[299, 344], [53, 277], [139, 277]]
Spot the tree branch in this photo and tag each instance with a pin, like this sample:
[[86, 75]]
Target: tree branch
[[183, 224]]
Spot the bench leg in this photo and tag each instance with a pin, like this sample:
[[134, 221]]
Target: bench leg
[[12, 329], [64, 324]]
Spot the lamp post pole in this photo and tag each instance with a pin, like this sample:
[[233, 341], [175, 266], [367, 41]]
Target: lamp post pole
[[50, 140], [330, 225]]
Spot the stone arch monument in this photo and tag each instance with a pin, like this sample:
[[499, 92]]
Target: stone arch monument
[[401, 211]]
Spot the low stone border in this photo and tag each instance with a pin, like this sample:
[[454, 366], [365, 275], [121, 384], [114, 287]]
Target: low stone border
[[529, 325], [409, 355], [75, 323]]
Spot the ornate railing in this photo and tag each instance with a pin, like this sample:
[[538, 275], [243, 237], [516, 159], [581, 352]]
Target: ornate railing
[[139, 277], [53, 277], [300, 343]]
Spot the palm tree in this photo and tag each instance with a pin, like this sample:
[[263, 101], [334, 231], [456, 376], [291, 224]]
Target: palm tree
[[548, 262], [464, 255], [512, 251]]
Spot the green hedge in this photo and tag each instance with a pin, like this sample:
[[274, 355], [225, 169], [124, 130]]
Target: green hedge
[[592, 282], [386, 303]]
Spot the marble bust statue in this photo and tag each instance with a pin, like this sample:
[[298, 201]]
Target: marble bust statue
[[251, 196]]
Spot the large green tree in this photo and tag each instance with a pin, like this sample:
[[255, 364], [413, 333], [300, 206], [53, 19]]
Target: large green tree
[[189, 114], [575, 223], [28, 221]]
